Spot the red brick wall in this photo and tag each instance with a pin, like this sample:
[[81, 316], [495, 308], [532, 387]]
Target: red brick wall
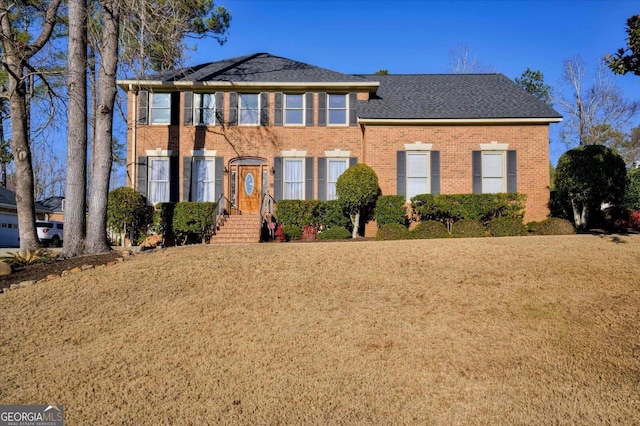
[[373, 145]]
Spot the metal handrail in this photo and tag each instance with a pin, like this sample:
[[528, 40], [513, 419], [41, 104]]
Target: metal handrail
[[266, 212], [223, 210]]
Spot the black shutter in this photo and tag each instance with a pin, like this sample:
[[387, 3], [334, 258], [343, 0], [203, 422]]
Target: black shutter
[[186, 178], [277, 178], [233, 109], [174, 186], [219, 109], [353, 161], [308, 109], [476, 170], [308, 191], [264, 109], [322, 178], [143, 107], [401, 173], [219, 178], [435, 172], [142, 176], [353, 118], [175, 108], [188, 108], [512, 171], [322, 109], [277, 120]]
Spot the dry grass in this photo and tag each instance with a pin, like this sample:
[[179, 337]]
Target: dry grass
[[534, 330]]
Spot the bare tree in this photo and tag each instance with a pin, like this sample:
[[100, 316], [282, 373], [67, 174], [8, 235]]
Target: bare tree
[[15, 61], [75, 194], [592, 112], [462, 61]]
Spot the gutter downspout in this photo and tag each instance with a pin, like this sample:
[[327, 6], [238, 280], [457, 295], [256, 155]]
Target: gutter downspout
[[134, 137]]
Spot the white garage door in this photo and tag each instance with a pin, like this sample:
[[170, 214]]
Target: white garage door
[[9, 236]]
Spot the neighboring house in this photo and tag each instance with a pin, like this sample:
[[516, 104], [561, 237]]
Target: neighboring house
[[258, 124], [9, 234], [55, 206]]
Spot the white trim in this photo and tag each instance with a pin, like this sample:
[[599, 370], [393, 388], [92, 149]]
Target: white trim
[[151, 108], [418, 146], [427, 154], [132, 85], [293, 153], [337, 153], [284, 174], [420, 121], [284, 109], [503, 154], [494, 146], [194, 177], [159, 152], [240, 123], [346, 110], [203, 152]]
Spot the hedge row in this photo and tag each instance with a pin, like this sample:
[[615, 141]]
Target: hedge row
[[483, 207], [469, 228], [187, 222]]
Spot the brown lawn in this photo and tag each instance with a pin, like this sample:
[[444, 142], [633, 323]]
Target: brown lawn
[[533, 330]]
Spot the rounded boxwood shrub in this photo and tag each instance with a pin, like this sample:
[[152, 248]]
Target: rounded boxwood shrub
[[334, 233], [551, 226], [392, 231], [430, 229], [506, 227], [292, 232], [468, 228], [390, 209]]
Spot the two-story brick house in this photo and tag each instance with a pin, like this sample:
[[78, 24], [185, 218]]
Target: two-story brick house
[[259, 124]]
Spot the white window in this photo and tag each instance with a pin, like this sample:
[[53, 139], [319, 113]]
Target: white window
[[160, 108], [335, 167], [417, 174], [294, 179], [202, 179], [493, 172], [159, 180], [337, 109], [249, 109], [294, 109], [204, 108]]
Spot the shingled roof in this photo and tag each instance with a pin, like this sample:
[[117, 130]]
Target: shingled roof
[[259, 67], [8, 199], [451, 96]]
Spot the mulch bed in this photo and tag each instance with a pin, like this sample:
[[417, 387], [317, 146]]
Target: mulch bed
[[40, 271]]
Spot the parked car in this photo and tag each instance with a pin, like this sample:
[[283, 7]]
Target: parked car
[[50, 233]]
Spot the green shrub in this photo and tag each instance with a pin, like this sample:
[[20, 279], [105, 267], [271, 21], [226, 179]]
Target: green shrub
[[127, 212], [391, 209], [551, 226], [332, 214], [468, 228], [357, 188], [194, 220], [506, 227], [392, 231], [632, 192], [334, 233], [292, 232], [298, 212], [430, 229], [483, 207], [163, 220]]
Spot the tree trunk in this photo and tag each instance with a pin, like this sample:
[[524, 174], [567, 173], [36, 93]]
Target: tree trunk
[[102, 155], [355, 220], [76, 188]]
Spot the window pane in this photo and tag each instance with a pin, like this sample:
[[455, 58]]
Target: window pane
[[492, 185], [160, 100], [203, 180], [161, 116], [417, 165], [294, 116], [293, 101], [159, 181], [249, 101], [336, 168], [416, 186], [249, 116], [293, 179], [337, 116], [337, 101], [492, 165]]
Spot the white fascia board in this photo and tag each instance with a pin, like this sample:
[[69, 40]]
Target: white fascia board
[[129, 85], [422, 121]]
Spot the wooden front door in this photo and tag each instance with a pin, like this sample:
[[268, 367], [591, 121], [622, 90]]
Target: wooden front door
[[249, 188]]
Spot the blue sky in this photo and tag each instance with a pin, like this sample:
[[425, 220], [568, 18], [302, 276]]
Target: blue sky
[[412, 36]]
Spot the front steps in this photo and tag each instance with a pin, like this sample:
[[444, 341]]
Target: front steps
[[238, 228]]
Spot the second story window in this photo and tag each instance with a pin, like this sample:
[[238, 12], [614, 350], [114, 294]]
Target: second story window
[[204, 108], [249, 109], [337, 109], [294, 109], [160, 108]]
